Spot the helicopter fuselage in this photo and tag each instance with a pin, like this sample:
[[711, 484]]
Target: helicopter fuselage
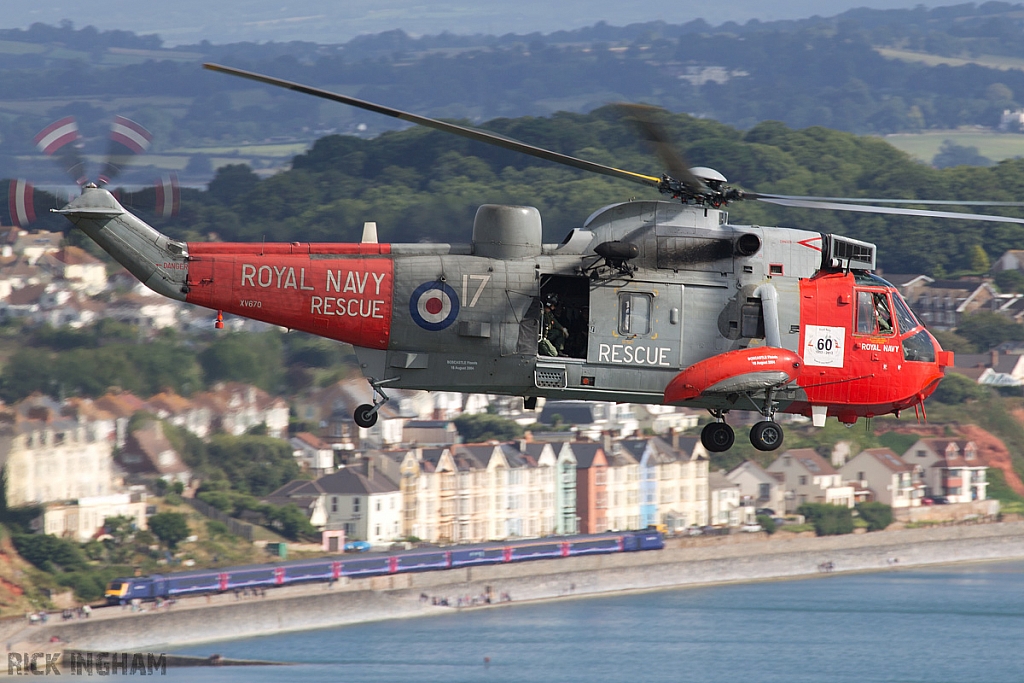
[[677, 317]]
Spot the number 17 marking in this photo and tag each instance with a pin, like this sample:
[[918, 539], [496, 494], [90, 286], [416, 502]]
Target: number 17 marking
[[482, 279]]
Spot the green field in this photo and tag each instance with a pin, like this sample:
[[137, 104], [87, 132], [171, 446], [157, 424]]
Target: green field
[[924, 146], [989, 61]]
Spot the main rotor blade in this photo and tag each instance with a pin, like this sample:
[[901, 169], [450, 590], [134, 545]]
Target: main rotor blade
[[463, 131], [644, 118], [834, 206], [879, 200]]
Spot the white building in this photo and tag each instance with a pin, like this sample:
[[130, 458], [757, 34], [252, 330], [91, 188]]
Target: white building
[[809, 478], [891, 480], [759, 487], [951, 468], [60, 459], [83, 519]]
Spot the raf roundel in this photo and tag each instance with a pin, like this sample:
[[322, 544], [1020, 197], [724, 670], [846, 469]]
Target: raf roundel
[[434, 306]]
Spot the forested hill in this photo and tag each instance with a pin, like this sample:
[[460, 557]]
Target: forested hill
[[424, 185], [851, 72]]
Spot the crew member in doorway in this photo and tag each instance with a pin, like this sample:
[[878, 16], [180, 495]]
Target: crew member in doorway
[[555, 334]]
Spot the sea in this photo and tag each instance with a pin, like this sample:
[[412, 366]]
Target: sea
[[950, 624]]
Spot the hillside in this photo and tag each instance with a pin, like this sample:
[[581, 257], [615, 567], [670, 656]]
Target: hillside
[[848, 72]]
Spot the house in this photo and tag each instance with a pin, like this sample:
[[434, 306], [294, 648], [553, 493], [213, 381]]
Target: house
[[943, 304], [50, 457], [83, 271], [951, 468], [809, 478], [556, 470], [181, 412], [623, 490], [673, 481], [891, 480], [31, 246], [148, 454], [591, 487], [121, 405], [1012, 259], [313, 454], [82, 519], [993, 368], [725, 503], [146, 311], [758, 487], [591, 419], [306, 495], [367, 506], [236, 408], [430, 433]]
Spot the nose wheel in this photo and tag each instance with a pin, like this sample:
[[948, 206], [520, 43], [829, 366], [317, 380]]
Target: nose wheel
[[365, 415]]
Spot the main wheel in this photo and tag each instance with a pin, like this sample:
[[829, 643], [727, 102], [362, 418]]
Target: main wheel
[[365, 416], [766, 435], [717, 437]]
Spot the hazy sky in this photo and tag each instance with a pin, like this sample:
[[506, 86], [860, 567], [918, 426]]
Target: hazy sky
[[335, 21]]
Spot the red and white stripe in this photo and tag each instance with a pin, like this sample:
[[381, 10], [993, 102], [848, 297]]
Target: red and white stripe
[[20, 201], [130, 134], [168, 196], [56, 135]]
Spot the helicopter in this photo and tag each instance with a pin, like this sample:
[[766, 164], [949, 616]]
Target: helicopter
[[647, 302]]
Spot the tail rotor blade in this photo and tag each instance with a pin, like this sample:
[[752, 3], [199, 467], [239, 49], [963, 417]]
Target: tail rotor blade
[[168, 196], [127, 140], [58, 140], [21, 201]]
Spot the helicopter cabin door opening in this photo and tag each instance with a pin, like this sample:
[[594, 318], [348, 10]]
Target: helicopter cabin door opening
[[565, 321]]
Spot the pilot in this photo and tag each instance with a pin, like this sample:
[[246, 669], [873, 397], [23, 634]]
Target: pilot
[[882, 314], [555, 333]]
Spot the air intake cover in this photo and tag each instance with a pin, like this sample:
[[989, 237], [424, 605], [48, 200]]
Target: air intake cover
[[507, 231]]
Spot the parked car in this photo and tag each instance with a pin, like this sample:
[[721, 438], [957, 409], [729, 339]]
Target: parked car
[[357, 547], [927, 501], [766, 511], [693, 531], [940, 500], [751, 528]]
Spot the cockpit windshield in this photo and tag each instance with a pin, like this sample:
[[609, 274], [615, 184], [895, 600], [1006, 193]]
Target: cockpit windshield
[[904, 315]]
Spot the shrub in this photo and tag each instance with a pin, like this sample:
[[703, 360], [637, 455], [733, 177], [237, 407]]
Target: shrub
[[49, 552], [828, 520], [877, 515], [767, 523], [169, 527]]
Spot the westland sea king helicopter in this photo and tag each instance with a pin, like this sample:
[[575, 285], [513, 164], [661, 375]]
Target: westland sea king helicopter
[[660, 302]]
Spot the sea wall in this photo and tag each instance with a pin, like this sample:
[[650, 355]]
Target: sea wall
[[686, 562]]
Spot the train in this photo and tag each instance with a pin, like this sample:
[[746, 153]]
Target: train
[[200, 581]]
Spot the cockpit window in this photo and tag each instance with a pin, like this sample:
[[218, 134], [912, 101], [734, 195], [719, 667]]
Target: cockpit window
[[919, 347], [873, 314], [903, 314]]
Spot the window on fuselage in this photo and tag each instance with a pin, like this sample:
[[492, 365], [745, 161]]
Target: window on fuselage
[[635, 313], [874, 314]]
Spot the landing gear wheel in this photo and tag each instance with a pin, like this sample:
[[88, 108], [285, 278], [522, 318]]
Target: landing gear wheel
[[717, 437], [365, 416], [766, 435]]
